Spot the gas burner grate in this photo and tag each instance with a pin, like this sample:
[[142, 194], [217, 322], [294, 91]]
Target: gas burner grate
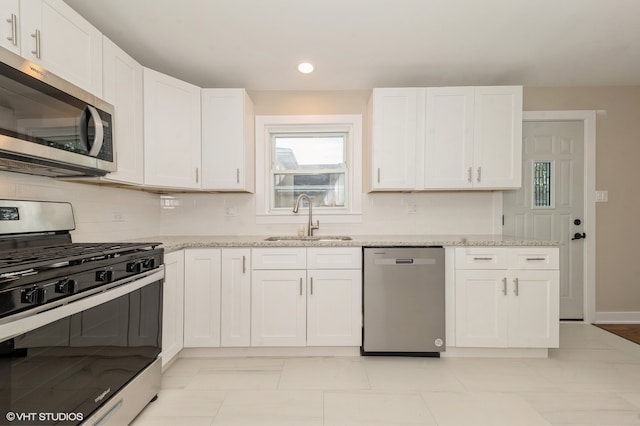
[[47, 257]]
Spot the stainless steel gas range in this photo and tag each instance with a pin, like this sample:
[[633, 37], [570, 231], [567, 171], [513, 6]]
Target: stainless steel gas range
[[80, 323]]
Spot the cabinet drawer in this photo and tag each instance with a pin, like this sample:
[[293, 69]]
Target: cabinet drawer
[[334, 258], [481, 258], [279, 258], [534, 258]]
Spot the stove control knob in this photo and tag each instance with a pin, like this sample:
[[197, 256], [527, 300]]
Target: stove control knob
[[104, 276], [33, 296], [149, 263], [66, 286], [134, 267]]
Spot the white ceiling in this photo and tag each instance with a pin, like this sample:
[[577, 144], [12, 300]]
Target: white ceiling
[[360, 44]]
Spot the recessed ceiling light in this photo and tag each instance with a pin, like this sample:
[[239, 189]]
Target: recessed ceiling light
[[305, 68]]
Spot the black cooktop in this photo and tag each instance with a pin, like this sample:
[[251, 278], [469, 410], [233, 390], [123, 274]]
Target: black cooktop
[[46, 257]]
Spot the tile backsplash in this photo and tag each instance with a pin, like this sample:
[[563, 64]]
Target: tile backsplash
[[101, 213]]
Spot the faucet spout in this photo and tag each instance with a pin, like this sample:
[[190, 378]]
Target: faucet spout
[[310, 225]]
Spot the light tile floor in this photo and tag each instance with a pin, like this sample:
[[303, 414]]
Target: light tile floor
[[593, 379]]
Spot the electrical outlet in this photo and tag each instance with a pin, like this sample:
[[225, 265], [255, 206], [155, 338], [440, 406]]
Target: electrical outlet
[[230, 211], [117, 217], [602, 196], [412, 208]]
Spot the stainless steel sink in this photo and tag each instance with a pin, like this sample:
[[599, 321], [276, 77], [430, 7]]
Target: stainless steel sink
[[312, 238]]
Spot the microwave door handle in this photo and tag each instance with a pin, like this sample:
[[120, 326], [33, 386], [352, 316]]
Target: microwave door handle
[[96, 146]]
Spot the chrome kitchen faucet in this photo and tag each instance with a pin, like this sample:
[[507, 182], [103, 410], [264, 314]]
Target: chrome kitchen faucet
[[310, 225]]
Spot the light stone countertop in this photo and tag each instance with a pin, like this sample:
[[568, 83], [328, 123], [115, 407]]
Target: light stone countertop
[[174, 243]]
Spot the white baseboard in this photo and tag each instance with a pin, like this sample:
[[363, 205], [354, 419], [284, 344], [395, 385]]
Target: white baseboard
[[617, 318]]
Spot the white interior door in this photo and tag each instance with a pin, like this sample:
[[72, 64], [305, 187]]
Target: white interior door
[[550, 204]]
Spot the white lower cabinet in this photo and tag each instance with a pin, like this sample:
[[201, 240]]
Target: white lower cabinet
[[293, 306], [278, 308], [334, 307], [507, 297], [172, 306], [235, 320], [202, 298]]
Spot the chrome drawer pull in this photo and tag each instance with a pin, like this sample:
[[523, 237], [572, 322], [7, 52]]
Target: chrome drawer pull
[[536, 258], [483, 258], [516, 290], [504, 286]]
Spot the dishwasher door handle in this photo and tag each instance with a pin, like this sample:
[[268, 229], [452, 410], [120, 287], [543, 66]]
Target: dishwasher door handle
[[404, 261]]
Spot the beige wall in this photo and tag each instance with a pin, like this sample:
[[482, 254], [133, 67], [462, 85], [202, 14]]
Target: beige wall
[[617, 171]]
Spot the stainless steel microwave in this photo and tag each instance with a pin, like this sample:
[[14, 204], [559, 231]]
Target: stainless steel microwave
[[50, 127]]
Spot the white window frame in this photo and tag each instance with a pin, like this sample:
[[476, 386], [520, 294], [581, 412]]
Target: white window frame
[[351, 124]]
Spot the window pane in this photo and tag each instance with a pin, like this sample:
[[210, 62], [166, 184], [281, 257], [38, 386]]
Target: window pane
[[325, 189], [310, 152], [542, 184]]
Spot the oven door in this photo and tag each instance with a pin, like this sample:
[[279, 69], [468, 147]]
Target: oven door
[[61, 365]]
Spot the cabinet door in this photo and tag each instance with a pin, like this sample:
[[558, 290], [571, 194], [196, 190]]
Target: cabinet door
[[202, 298], [123, 89], [278, 308], [394, 138], [498, 137], [227, 140], [172, 306], [448, 154], [334, 307], [235, 327], [534, 306], [58, 38], [171, 132], [481, 311], [10, 25]]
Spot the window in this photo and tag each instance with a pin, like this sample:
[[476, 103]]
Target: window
[[309, 163], [315, 155], [542, 184]]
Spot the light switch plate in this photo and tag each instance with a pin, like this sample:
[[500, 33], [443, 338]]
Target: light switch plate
[[602, 196]]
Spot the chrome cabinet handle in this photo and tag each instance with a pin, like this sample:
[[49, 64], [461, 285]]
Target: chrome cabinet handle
[[378, 174], [516, 289], [36, 35], [197, 175], [529, 259], [482, 258], [244, 264], [300, 286], [479, 173], [469, 178], [311, 279], [504, 286], [237, 175], [14, 29]]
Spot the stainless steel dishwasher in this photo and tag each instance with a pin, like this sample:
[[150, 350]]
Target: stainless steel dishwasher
[[403, 299]]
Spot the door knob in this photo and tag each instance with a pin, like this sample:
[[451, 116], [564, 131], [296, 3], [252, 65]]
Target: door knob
[[577, 222], [579, 236]]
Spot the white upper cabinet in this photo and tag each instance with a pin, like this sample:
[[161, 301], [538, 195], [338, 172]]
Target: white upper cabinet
[[446, 138], [448, 154], [171, 132], [228, 159], [122, 78], [10, 25], [393, 130], [63, 42], [473, 138]]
